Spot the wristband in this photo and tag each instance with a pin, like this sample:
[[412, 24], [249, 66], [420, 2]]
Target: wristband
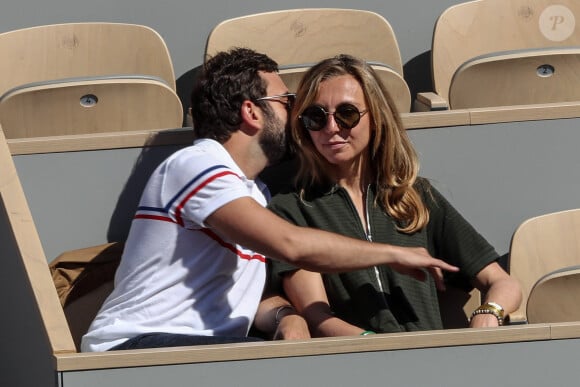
[[277, 317], [366, 333]]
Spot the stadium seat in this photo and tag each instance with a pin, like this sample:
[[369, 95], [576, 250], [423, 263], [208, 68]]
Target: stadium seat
[[298, 38], [540, 246], [76, 78], [500, 53]]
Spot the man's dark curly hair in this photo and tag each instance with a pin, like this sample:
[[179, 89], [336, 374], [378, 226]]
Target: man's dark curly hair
[[227, 79]]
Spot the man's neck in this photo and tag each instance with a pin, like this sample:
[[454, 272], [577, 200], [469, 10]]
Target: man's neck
[[247, 155]]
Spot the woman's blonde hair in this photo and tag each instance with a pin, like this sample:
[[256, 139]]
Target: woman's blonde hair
[[392, 158]]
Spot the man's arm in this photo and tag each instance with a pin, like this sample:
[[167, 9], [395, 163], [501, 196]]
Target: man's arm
[[253, 226]]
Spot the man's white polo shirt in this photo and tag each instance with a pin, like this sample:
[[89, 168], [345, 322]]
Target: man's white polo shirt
[[176, 274]]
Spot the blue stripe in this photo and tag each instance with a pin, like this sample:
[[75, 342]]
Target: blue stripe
[[185, 188]]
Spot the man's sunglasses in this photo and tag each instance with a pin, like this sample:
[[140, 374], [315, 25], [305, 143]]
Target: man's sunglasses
[[287, 99], [315, 118]]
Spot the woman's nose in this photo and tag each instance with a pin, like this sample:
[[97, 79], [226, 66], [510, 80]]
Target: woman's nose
[[331, 125]]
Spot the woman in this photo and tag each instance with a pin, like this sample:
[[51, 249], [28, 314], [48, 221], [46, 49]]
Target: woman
[[358, 177]]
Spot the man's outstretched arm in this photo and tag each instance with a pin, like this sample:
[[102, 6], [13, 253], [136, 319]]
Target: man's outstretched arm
[[253, 226]]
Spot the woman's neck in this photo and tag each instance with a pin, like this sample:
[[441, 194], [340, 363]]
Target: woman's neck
[[355, 177]]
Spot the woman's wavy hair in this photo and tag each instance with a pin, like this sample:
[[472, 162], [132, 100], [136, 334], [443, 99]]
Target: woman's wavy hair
[[227, 80], [393, 159]]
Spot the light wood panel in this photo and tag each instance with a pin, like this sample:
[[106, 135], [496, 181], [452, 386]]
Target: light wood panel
[[471, 29], [417, 120], [524, 113], [541, 245], [290, 348], [520, 78], [555, 297], [98, 141], [298, 38], [305, 36], [90, 106], [59, 51], [31, 254]]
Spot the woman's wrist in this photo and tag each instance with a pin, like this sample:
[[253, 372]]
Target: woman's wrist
[[490, 308], [281, 312]]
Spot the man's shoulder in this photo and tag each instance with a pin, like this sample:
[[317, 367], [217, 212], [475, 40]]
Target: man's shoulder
[[198, 157]]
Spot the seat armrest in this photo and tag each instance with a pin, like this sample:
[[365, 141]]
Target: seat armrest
[[429, 101]]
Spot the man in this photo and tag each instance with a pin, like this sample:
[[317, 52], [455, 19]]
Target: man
[[194, 266]]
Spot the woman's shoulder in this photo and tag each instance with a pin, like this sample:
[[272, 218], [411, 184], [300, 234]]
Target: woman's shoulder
[[285, 198], [298, 195], [424, 187], [431, 196]]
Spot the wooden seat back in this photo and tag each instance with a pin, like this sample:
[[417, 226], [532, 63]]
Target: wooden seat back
[[542, 245], [78, 78], [79, 50], [554, 298], [298, 38], [89, 105], [524, 77], [488, 46]]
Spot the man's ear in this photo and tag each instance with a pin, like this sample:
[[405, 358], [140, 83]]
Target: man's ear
[[252, 117]]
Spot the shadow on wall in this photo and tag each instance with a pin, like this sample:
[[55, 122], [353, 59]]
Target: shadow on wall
[[151, 156], [184, 87], [417, 72], [149, 159]]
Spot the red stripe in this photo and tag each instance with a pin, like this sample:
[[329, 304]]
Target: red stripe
[[180, 206], [230, 247], [155, 217]]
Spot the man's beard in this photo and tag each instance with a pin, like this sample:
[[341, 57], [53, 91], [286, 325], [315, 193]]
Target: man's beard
[[274, 138]]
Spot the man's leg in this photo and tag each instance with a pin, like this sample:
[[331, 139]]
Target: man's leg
[[159, 340]]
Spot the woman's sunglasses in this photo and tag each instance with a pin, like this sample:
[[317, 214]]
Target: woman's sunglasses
[[315, 118]]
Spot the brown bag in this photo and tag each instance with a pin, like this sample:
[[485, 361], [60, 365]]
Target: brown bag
[[78, 272]]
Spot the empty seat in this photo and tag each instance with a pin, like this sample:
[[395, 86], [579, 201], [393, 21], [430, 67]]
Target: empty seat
[[58, 69], [89, 105], [298, 38], [554, 298], [523, 77], [543, 245], [498, 53]]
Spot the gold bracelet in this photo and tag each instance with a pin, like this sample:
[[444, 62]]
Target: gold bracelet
[[491, 308]]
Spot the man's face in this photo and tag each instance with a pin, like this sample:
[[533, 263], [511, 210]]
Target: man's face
[[274, 135]]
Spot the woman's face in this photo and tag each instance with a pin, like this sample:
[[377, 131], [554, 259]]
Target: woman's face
[[341, 146]]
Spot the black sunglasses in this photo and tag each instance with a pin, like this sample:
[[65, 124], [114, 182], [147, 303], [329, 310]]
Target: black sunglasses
[[315, 118], [287, 99]]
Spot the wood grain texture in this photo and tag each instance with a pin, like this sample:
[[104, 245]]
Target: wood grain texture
[[31, 254], [474, 28], [69, 50], [541, 245], [90, 106], [555, 297]]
